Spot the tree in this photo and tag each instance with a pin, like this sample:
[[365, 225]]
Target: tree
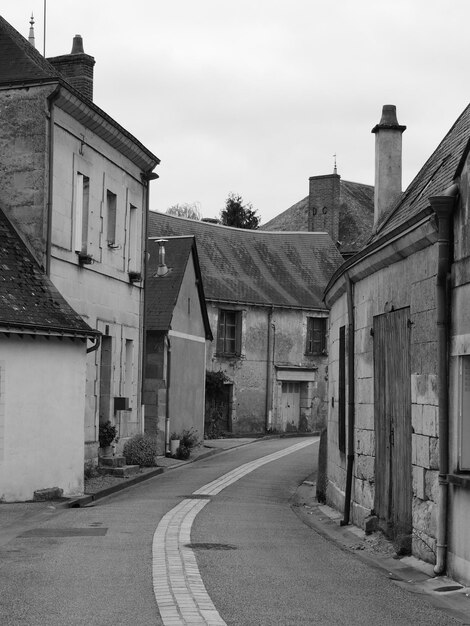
[[239, 215], [189, 210]]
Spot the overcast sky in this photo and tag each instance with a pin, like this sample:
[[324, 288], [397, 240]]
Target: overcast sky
[[255, 96]]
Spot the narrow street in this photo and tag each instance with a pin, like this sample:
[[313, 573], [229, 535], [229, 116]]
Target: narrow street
[[212, 542]]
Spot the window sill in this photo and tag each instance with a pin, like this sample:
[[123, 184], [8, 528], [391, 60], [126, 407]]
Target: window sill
[[459, 480]]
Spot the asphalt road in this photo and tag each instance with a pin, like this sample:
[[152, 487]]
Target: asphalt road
[[93, 565]]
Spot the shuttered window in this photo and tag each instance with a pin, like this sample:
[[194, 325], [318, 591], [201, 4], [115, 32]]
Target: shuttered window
[[316, 335], [464, 445], [229, 333], [342, 391]]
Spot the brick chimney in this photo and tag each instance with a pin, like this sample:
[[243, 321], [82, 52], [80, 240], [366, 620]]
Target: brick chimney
[[323, 204], [76, 68], [388, 143]]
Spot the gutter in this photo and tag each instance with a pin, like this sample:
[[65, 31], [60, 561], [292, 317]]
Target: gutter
[[443, 207], [269, 370]]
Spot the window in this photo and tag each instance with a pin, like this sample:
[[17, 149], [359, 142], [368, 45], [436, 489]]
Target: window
[[316, 335], [133, 261], [464, 384], [342, 391], [82, 198], [229, 332], [111, 202]]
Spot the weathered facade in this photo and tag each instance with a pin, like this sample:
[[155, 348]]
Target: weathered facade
[[343, 209], [397, 371], [75, 185], [263, 293], [176, 329]]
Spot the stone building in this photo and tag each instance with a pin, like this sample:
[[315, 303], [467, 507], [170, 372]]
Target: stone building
[[398, 423], [176, 330], [341, 208], [75, 185], [264, 299]]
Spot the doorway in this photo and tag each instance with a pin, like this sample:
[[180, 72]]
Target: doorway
[[392, 415]]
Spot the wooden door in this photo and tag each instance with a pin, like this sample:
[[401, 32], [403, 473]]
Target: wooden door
[[290, 406], [392, 402]]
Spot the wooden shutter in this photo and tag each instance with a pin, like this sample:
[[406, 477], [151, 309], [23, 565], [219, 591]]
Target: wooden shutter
[[342, 391], [238, 333], [464, 447], [221, 332]]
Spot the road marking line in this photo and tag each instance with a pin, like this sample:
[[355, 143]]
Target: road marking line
[[177, 583]]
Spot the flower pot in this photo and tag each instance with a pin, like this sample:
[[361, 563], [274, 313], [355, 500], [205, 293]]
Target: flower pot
[[174, 445], [106, 451]]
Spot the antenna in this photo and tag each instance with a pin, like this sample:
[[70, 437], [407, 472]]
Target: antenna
[[44, 41], [335, 170]]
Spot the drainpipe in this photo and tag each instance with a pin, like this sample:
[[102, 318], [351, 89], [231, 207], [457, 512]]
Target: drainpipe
[[443, 206], [351, 401], [167, 404], [145, 177], [95, 346], [50, 183], [269, 372]]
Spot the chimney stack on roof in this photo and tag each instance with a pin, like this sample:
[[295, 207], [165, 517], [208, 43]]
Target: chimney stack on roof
[[388, 144], [76, 68]]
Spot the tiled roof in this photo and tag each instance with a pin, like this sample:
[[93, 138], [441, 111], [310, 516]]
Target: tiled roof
[[20, 63], [19, 59], [434, 177], [355, 220], [254, 266], [28, 299], [162, 291]]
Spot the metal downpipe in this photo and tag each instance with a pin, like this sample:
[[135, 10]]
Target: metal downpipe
[[443, 207]]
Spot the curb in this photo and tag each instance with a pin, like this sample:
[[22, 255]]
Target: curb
[[88, 499], [414, 579]]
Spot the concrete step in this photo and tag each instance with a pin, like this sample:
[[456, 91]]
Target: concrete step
[[112, 461], [124, 470]]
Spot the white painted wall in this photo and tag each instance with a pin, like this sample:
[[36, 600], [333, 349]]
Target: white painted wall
[[42, 405]]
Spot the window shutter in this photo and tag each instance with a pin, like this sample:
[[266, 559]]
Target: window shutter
[[221, 333], [342, 391], [238, 333]]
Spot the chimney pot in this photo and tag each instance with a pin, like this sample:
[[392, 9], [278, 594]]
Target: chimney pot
[[389, 115], [77, 45]]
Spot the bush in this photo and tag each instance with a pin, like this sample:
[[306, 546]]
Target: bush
[[183, 452], [107, 434], [189, 438], [141, 450]]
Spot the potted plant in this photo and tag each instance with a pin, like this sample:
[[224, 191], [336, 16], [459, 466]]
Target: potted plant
[[174, 443], [107, 435]]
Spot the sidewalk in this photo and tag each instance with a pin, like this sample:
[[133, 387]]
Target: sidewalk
[[407, 572], [17, 517]]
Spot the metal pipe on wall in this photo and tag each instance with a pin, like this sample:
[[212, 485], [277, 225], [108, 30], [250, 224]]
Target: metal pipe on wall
[[443, 207]]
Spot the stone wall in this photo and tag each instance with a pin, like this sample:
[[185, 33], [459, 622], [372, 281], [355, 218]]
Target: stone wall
[[407, 283]]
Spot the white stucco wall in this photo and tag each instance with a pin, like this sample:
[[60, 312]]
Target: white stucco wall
[[101, 291], [42, 405]]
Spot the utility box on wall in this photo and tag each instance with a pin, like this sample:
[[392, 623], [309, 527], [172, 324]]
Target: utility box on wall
[[121, 404]]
